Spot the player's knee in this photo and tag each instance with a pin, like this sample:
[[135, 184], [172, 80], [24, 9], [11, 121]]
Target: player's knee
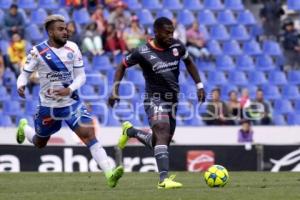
[[162, 132], [87, 135], [40, 145]]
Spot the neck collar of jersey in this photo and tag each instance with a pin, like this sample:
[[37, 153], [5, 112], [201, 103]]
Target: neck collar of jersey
[[152, 44]]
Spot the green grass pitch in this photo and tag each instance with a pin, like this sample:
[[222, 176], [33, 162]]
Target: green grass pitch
[[142, 186]]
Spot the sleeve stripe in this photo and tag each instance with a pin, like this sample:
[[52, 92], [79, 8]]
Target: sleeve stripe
[[186, 55], [78, 66], [27, 71], [124, 62]]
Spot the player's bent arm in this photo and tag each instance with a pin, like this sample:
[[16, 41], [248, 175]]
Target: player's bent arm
[[22, 82], [79, 78]]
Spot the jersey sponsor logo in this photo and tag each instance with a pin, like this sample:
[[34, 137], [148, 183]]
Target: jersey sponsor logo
[[200, 160], [161, 66], [175, 52], [59, 76], [48, 56]]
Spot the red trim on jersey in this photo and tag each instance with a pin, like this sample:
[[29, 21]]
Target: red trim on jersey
[[44, 51], [69, 49], [124, 63], [150, 40], [159, 116]]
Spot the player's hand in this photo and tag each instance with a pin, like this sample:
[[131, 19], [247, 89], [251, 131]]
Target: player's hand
[[201, 95], [62, 92], [21, 91], [113, 99]]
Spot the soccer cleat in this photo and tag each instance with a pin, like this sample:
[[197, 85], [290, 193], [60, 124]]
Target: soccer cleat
[[20, 132], [124, 137], [169, 183], [114, 177]]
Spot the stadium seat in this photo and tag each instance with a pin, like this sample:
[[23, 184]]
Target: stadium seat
[[252, 48], [184, 109], [294, 77], [290, 92], [165, 13], [195, 121], [81, 16], [271, 48], [216, 78], [4, 44], [136, 76], [232, 48], [219, 32], [297, 106], [127, 90], [214, 47], [252, 89], [278, 120], [101, 63], [152, 5], [264, 63], [35, 92], [64, 13], [5, 4], [257, 77], [193, 5], [203, 30], [33, 33], [186, 17], [235, 5], [293, 119], [27, 4], [9, 78], [246, 18], [87, 93], [12, 108], [213, 4], [245, 63], [6, 121], [23, 13], [238, 78], [283, 107], [271, 92], [48, 4], [31, 106], [293, 4], [145, 17], [113, 121], [205, 66], [239, 33], [226, 17], [3, 93], [124, 110], [172, 4], [206, 17], [133, 4], [38, 16], [95, 79], [277, 78], [225, 63]]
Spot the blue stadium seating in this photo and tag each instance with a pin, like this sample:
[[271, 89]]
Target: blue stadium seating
[[239, 33], [165, 13], [48, 4], [257, 77], [277, 78], [290, 92], [213, 4], [252, 89], [293, 4], [64, 13], [217, 78], [31, 106], [184, 109], [5, 4], [245, 63], [133, 4], [186, 17], [195, 121], [4, 46], [33, 33], [194, 5], [297, 106], [246, 18], [87, 92], [232, 48], [219, 32], [271, 92], [3, 93], [5, 121], [226, 17], [214, 47], [278, 120], [238, 78], [293, 119], [172, 4], [38, 16], [206, 17], [145, 17], [136, 76], [9, 78], [252, 48], [27, 4], [235, 5], [81, 16], [225, 63], [12, 108], [264, 63], [294, 77], [101, 63], [203, 30], [283, 107], [271, 48], [152, 5]]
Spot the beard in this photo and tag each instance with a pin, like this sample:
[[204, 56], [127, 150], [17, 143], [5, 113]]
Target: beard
[[60, 41]]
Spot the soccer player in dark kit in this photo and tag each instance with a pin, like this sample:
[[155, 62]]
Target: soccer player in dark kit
[[159, 59]]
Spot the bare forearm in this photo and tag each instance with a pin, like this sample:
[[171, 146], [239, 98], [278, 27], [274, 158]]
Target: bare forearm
[[119, 74], [193, 71]]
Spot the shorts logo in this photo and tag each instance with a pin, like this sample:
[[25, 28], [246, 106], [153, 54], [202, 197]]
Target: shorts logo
[[70, 55], [47, 121], [175, 52], [199, 160]]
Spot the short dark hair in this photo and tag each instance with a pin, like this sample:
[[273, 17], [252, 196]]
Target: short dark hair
[[14, 6], [216, 90], [161, 21]]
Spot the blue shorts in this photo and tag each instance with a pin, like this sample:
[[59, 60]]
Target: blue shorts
[[48, 120]]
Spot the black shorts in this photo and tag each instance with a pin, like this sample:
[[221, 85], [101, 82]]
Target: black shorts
[[160, 111]]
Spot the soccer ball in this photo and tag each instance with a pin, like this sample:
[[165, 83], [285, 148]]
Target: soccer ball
[[216, 176]]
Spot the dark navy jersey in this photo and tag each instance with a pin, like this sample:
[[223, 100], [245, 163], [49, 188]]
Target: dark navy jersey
[[160, 67]]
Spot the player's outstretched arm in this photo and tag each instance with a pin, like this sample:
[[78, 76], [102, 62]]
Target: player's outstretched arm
[[119, 74], [190, 66]]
